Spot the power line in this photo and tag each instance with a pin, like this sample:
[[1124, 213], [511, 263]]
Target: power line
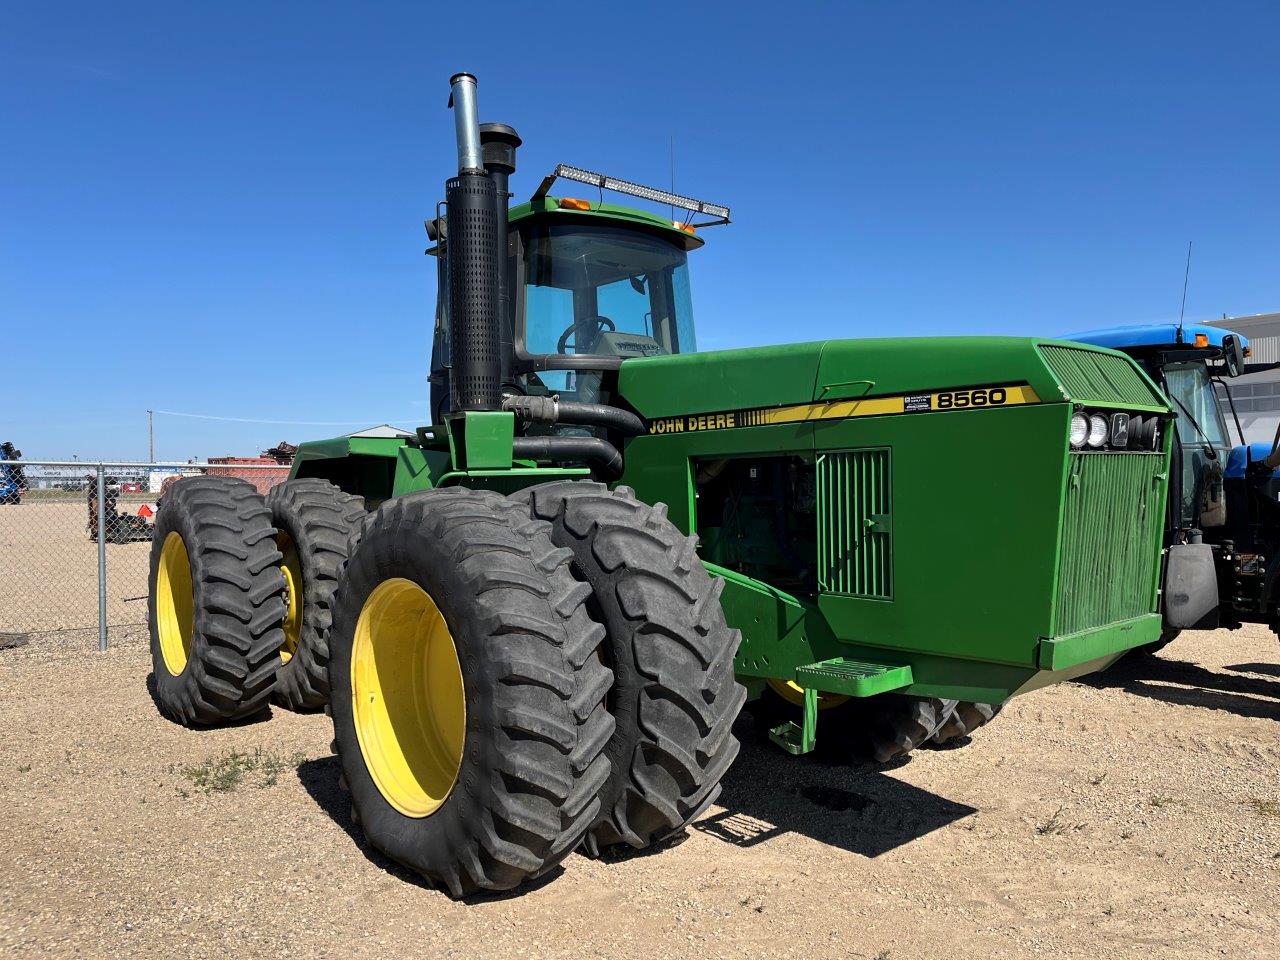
[[291, 423]]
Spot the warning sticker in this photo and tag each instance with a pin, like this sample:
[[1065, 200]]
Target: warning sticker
[[917, 402]]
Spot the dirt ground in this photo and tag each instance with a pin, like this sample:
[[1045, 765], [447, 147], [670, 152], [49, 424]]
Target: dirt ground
[[49, 568], [1133, 816]]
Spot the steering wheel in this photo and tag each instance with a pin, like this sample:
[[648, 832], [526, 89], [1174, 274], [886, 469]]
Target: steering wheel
[[602, 324]]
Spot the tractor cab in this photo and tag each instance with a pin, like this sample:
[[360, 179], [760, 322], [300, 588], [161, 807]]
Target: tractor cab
[[587, 285]]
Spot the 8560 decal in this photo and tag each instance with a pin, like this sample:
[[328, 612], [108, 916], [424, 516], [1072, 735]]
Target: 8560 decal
[[1008, 395], [961, 399]]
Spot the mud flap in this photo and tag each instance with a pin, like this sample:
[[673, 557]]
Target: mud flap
[[1190, 588]]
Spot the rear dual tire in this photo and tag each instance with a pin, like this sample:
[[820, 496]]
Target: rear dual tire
[[214, 612], [314, 521]]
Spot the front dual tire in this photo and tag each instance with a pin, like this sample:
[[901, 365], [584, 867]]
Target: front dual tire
[[514, 678], [675, 696], [468, 691], [889, 726]]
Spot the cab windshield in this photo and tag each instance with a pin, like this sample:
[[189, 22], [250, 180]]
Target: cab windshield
[[603, 291], [1196, 403], [1199, 427]]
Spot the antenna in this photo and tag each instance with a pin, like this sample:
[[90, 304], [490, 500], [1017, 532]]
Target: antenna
[[1186, 276], [671, 149]]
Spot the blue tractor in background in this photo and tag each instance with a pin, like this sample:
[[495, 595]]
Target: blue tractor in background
[[12, 481], [1222, 528]]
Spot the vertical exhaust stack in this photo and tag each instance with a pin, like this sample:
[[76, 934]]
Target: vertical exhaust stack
[[498, 143], [474, 296]]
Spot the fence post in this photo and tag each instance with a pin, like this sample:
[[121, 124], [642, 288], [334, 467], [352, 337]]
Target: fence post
[[102, 559]]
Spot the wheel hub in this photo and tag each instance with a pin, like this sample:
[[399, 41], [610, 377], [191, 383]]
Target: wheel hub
[[175, 604], [407, 697]]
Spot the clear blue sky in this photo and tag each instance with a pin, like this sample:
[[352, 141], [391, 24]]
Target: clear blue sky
[[220, 210]]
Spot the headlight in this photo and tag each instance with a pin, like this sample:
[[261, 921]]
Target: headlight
[[1097, 430], [1079, 429], [1144, 433]]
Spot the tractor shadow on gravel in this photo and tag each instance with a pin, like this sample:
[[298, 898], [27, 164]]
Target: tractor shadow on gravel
[[1267, 669], [320, 779], [1190, 685], [844, 802], [766, 793]]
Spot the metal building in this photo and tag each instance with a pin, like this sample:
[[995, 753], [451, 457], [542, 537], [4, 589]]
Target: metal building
[[1257, 395]]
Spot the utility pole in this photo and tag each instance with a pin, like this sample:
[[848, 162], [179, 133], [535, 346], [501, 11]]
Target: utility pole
[[151, 436]]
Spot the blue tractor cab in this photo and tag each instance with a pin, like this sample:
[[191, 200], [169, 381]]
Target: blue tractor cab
[[1222, 529], [12, 481]]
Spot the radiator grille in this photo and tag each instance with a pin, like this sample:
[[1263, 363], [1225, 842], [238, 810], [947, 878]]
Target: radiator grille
[[1110, 540], [1092, 377], [854, 524]]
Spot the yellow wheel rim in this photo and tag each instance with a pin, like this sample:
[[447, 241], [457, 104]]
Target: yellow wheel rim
[[292, 569], [793, 693], [407, 697], [175, 604]]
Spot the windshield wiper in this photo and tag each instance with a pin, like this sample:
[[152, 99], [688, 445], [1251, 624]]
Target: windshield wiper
[[1208, 444]]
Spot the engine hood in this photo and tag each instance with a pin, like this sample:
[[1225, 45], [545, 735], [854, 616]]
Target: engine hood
[[844, 370]]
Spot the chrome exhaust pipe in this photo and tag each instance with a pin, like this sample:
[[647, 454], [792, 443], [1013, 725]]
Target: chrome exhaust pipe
[[466, 122]]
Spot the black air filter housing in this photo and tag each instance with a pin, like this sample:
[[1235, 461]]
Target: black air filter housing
[[473, 292]]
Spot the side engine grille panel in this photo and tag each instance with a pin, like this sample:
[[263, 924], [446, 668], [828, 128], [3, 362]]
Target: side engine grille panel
[[854, 524], [1092, 377], [1110, 540]]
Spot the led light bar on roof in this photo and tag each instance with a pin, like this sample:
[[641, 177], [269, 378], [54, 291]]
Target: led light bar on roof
[[565, 172]]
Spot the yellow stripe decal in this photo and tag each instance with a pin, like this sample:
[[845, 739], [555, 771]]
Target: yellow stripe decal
[[969, 398]]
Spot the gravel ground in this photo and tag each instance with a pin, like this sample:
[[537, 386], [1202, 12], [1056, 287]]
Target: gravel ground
[[1137, 815], [49, 568]]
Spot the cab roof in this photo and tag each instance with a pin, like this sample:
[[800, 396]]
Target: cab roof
[[1153, 335], [603, 212]]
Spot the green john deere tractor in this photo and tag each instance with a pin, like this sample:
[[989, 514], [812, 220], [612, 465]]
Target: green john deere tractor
[[536, 620]]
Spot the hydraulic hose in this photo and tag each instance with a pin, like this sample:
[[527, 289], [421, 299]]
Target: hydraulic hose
[[555, 410], [602, 415], [593, 451]]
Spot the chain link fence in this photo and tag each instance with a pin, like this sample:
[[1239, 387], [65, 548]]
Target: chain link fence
[[75, 540]]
